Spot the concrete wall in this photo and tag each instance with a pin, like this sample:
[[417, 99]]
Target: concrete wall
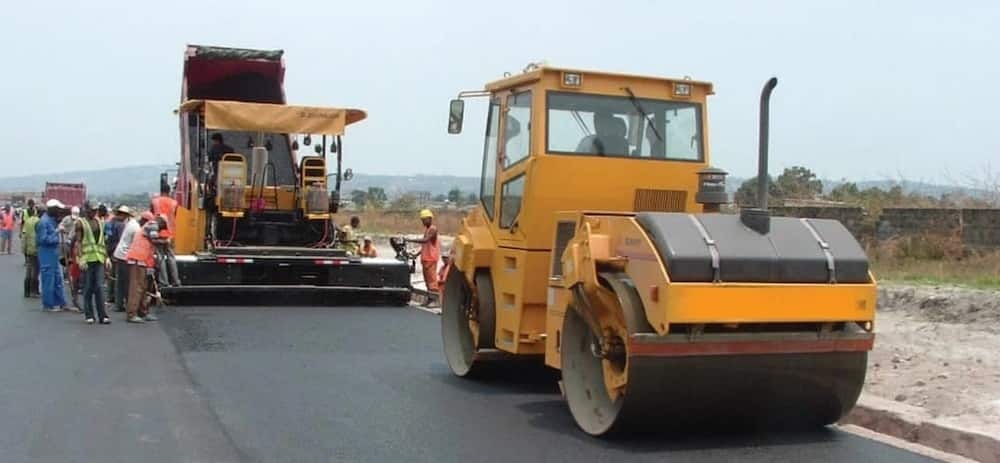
[[976, 227]]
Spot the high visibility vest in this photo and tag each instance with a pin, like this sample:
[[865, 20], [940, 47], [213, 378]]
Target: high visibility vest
[[28, 234], [8, 221], [141, 250], [93, 250]]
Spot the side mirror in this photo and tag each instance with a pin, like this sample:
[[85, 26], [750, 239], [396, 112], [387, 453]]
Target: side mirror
[[348, 175], [295, 145], [307, 140], [319, 150], [456, 113], [333, 146]]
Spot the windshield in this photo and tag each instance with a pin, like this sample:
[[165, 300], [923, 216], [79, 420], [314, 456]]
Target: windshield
[[599, 125]]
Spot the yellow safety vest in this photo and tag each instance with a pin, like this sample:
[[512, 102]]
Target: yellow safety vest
[[93, 250]]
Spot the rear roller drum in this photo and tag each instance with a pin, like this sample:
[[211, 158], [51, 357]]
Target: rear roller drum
[[467, 321]]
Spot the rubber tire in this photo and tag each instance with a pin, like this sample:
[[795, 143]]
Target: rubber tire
[[583, 379], [459, 347], [487, 312]]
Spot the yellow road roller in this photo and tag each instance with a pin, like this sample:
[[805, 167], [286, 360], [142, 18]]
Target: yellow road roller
[[599, 248]]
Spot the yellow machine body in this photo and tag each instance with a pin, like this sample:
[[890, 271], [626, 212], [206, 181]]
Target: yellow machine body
[[556, 234]]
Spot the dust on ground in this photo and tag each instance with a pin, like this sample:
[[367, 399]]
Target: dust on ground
[[939, 348]]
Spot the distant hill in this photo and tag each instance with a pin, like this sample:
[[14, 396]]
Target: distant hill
[[146, 179]]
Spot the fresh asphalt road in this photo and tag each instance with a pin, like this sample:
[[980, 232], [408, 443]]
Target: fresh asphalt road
[[304, 384]]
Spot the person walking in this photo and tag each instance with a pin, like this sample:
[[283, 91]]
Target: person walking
[[30, 249], [129, 229], [7, 221], [430, 254], [90, 235], [141, 263], [49, 242]]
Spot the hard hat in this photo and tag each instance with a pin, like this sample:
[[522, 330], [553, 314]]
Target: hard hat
[[426, 214], [55, 203], [74, 211], [368, 238], [124, 209]]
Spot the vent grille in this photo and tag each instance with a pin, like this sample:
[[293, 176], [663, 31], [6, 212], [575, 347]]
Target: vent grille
[[659, 200], [564, 233]]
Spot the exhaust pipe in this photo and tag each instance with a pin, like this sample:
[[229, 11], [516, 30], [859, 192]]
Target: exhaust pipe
[[758, 218]]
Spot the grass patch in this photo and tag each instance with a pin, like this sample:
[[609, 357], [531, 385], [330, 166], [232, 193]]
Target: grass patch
[[977, 270]]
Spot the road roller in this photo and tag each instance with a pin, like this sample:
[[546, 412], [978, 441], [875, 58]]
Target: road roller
[[600, 248]]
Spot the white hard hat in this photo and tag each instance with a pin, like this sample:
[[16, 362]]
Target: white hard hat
[[54, 203], [75, 210]]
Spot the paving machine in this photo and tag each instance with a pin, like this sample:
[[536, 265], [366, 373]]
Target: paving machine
[[253, 215], [599, 247]]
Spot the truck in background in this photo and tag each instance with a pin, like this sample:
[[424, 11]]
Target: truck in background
[[70, 194]]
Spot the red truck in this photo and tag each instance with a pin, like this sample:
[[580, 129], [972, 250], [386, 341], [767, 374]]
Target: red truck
[[70, 194]]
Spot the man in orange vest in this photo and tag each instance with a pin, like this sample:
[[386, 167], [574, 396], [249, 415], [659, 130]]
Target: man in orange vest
[[430, 254], [166, 207], [141, 262], [6, 229]]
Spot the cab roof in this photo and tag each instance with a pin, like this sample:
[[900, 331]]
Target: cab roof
[[534, 72]]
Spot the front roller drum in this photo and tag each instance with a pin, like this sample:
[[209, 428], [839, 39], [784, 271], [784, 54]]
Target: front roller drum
[[665, 393]]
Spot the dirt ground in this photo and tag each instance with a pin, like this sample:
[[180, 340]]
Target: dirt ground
[[939, 348]]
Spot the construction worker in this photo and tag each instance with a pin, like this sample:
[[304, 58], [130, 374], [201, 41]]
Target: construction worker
[[130, 228], [112, 234], [6, 229], [90, 235], [430, 253], [166, 207], [70, 252], [30, 249], [368, 249], [48, 241], [349, 236], [141, 262]]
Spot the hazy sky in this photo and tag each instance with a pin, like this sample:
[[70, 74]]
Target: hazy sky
[[868, 90]]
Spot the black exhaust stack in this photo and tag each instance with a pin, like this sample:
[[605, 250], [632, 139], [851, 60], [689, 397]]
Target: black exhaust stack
[[759, 219]]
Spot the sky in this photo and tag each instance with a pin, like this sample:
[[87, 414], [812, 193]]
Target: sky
[[868, 90]]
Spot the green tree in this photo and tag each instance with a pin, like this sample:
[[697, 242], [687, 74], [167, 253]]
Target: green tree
[[455, 195], [847, 192], [746, 195], [359, 198], [440, 198], [798, 182], [376, 197]]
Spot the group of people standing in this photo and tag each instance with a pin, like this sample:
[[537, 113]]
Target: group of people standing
[[58, 242]]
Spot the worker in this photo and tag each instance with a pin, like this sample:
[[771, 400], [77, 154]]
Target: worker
[[120, 257], [349, 236], [69, 252], [90, 235], [166, 207], [30, 249], [166, 263], [112, 234], [430, 253], [141, 263], [368, 249], [48, 241], [6, 229]]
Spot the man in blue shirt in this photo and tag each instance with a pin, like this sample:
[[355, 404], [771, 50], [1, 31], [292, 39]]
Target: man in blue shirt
[[47, 238]]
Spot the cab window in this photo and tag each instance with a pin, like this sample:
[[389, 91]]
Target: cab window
[[517, 134], [510, 201], [487, 189]]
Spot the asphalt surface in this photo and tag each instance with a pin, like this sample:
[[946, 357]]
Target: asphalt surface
[[304, 384]]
